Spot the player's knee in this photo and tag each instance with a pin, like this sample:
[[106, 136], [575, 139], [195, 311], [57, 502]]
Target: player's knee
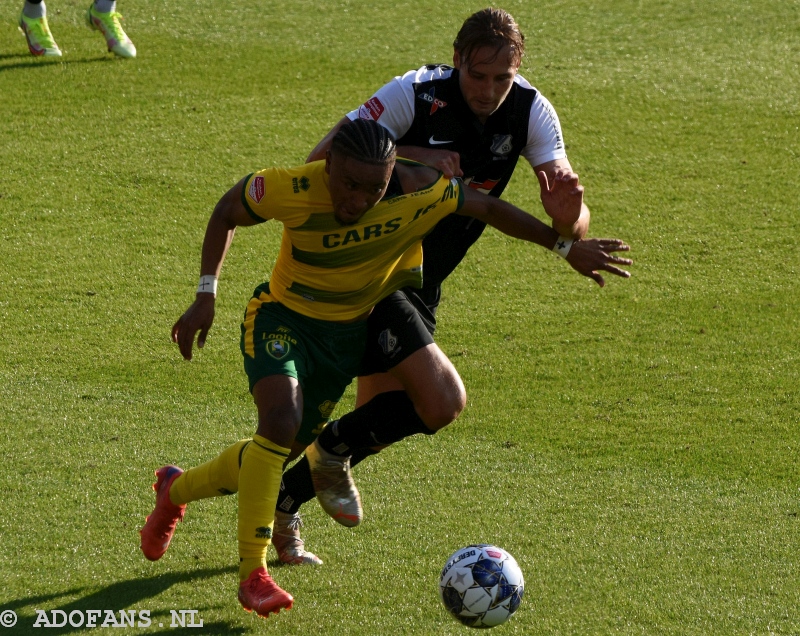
[[443, 408], [279, 424]]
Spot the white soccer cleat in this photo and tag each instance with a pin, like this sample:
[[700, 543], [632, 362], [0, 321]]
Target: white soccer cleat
[[40, 39], [334, 485], [287, 541], [108, 24]]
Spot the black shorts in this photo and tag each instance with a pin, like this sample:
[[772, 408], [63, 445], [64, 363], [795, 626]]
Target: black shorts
[[399, 325]]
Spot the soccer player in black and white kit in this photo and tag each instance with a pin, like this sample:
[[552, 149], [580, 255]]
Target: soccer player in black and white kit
[[471, 120]]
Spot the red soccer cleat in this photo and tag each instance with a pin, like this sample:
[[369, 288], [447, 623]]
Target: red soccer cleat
[[160, 525], [260, 594]]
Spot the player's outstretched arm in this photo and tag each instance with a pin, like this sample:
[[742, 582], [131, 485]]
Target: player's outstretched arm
[[228, 214], [591, 256], [507, 218], [445, 161], [586, 256]]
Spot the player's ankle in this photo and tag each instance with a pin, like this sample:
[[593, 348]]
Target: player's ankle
[[247, 565]]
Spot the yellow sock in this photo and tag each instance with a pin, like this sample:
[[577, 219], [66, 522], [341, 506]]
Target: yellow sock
[[246, 567], [220, 476], [259, 485]]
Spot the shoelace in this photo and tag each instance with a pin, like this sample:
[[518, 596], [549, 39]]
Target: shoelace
[[112, 22], [295, 523], [40, 30]]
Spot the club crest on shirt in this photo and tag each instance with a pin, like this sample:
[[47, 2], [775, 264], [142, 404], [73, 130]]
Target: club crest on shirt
[[256, 190], [371, 109], [501, 144], [278, 348], [388, 341], [431, 98]]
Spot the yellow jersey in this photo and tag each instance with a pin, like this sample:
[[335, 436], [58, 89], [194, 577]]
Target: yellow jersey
[[330, 271]]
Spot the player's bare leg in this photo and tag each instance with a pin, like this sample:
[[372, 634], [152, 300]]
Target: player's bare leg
[[434, 396], [429, 379]]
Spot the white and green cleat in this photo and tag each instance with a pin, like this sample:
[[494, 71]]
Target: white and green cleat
[[37, 33], [108, 24]]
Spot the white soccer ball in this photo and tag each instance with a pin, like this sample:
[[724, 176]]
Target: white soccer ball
[[481, 585]]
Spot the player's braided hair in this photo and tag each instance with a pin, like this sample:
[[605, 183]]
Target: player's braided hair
[[365, 140], [493, 28]]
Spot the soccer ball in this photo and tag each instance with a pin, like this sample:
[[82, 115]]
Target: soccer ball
[[481, 585]]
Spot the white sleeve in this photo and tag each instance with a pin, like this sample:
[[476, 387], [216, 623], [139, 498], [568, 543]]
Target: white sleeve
[[545, 141], [392, 106]]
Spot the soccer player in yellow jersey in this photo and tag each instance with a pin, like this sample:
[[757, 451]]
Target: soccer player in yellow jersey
[[353, 226]]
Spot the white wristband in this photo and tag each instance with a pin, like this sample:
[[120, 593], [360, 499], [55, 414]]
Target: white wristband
[[562, 246], [207, 285]]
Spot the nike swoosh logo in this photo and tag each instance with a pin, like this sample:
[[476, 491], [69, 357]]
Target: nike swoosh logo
[[433, 142]]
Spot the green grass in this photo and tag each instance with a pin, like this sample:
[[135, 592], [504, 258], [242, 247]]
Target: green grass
[[634, 447]]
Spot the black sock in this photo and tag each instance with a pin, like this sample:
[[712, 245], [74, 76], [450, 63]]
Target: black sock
[[297, 487], [385, 419]]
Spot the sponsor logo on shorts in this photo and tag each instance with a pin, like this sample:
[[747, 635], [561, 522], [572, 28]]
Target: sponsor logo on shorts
[[501, 145], [278, 348], [371, 109], [326, 408], [388, 341], [256, 190], [431, 98]]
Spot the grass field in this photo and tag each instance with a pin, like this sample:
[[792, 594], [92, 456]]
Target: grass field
[[635, 447]]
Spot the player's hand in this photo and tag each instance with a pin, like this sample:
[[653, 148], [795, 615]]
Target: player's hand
[[589, 256], [446, 161], [563, 198], [199, 317]]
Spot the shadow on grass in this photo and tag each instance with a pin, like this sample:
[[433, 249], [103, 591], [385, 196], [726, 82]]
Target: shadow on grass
[[130, 595], [28, 61]]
